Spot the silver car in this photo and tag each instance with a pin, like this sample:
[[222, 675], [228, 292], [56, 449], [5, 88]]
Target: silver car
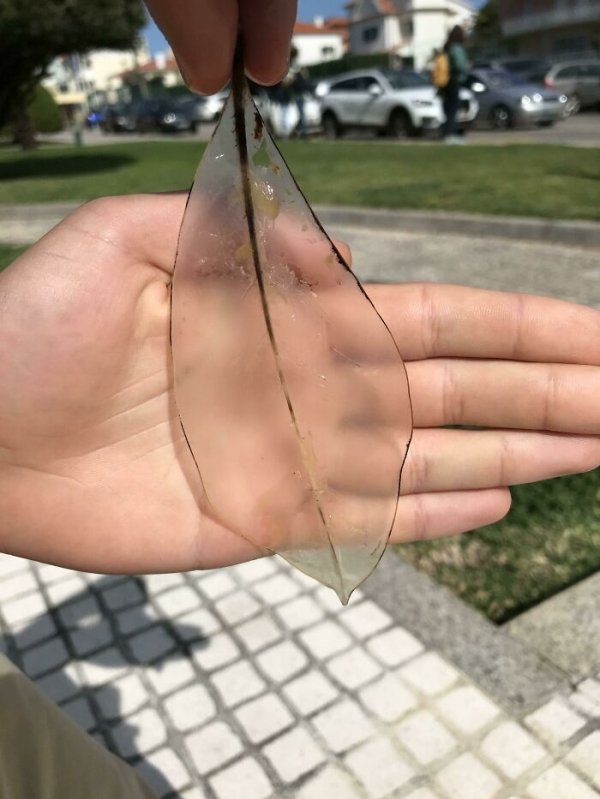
[[505, 101], [579, 80], [401, 102]]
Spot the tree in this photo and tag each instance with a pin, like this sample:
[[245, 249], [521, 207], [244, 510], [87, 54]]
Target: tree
[[487, 31], [32, 34]]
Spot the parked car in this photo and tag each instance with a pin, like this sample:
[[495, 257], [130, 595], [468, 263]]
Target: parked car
[[505, 101], [280, 111], [209, 107], [400, 102], [522, 66], [117, 119], [579, 80], [166, 115]]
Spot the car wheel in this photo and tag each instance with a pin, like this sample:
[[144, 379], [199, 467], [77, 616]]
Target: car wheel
[[331, 127], [546, 123], [501, 117], [400, 124], [573, 105], [193, 127]]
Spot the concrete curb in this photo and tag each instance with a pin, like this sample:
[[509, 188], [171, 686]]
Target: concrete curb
[[576, 233], [24, 224]]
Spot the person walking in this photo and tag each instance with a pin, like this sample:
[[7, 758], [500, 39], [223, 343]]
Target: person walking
[[458, 65]]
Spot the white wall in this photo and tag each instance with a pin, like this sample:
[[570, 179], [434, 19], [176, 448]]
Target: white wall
[[311, 46]]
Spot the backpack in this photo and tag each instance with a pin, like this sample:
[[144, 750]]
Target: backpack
[[440, 73]]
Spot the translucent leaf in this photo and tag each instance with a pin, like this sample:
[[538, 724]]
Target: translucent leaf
[[290, 388]]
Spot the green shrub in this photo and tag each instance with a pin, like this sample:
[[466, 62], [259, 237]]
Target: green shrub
[[46, 116]]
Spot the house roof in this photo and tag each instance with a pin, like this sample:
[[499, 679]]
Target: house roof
[[329, 26]]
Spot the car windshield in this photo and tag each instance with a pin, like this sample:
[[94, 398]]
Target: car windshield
[[406, 80], [500, 80]]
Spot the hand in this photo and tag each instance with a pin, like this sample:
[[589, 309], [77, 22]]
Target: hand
[[203, 35], [94, 471]]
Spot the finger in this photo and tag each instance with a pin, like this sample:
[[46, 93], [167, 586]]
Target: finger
[[451, 460], [267, 30], [556, 397], [434, 320], [202, 34], [422, 517]]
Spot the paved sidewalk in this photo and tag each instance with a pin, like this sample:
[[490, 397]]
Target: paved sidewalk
[[254, 682]]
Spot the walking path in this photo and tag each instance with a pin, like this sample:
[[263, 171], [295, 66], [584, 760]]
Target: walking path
[[254, 682]]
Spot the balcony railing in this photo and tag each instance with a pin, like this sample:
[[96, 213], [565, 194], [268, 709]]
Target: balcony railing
[[530, 23]]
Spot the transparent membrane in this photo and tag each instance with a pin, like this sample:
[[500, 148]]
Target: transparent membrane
[[290, 388]]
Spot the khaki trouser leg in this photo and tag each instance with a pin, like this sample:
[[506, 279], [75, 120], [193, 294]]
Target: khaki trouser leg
[[44, 755]]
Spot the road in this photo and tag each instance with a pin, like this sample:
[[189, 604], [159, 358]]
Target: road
[[582, 130]]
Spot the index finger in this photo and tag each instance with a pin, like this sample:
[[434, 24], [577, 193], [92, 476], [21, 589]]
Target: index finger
[[431, 320]]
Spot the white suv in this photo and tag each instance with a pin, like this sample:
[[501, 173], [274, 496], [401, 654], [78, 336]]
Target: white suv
[[400, 102]]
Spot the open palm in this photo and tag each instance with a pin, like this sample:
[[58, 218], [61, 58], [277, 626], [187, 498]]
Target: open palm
[[95, 473]]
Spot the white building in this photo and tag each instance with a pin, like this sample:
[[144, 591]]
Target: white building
[[411, 29], [321, 40]]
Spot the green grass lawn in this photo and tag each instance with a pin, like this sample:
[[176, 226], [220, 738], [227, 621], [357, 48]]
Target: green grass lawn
[[527, 180], [549, 540], [8, 254]]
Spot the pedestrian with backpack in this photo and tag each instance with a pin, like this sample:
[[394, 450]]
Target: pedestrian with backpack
[[449, 74]]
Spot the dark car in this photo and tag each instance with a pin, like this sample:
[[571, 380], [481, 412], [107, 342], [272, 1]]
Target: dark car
[[506, 101], [117, 119], [162, 115]]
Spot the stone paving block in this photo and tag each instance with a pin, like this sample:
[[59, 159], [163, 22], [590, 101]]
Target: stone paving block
[[155, 583], [365, 619], [169, 674], [586, 699], [467, 778], [429, 673], [123, 595], [258, 632], [199, 623], [425, 737], [560, 783], [136, 619], [330, 783], [66, 590], [468, 709], [264, 717], [45, 657], [88, 639], [151, 644], [237, 683], [176, 601], [213, 746], [246, 778], [330, 601], [9, 565], [17, 585], [193, 793], [106, 666], [237, 607], [310, 692], [23, 608], [294, 754], [57, 686], [216, 584], [379, 767], [353, 668], [190, 707], [139, 733], [422, 793], [387, 699], [85, 612], [343, 725], [555, 721], [282, 661], [217, 651], [121, 697], [394, 647], [325, 639], [27, 634], [276, 589], [585, 756], [511, 749], [299, 613], [80, 711], [255, 569], [163, 771]]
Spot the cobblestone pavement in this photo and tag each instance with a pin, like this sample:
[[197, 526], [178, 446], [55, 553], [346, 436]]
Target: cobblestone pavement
[[254, 682]]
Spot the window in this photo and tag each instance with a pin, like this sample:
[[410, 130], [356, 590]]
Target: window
[[348, 85], [327, 52], [567, 73], [370, 34]]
